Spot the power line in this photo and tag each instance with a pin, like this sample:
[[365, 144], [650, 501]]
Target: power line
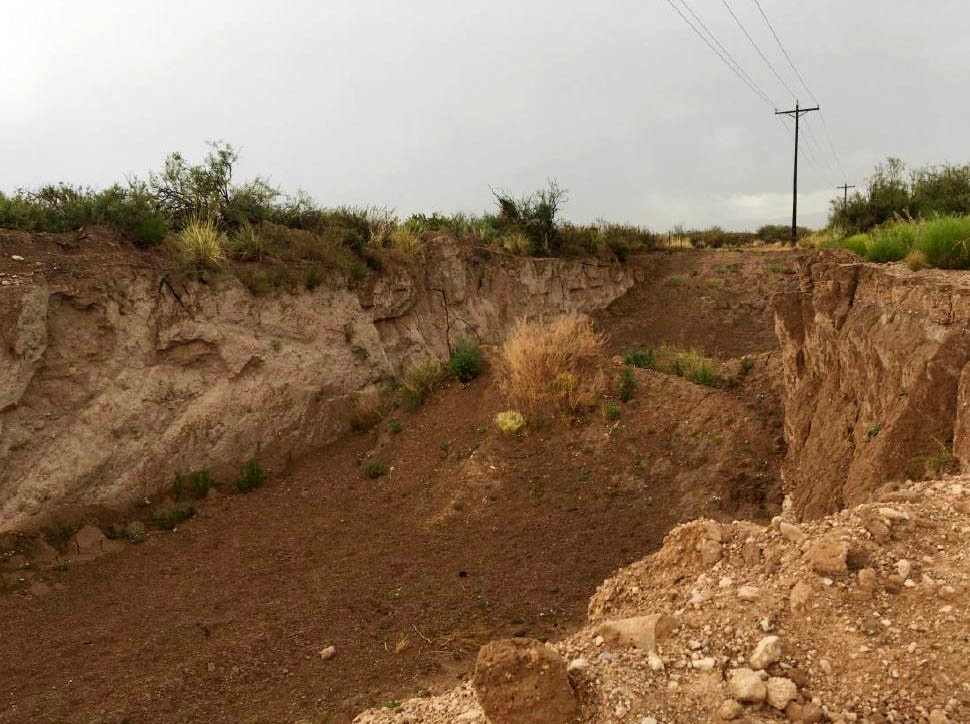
[[757, 48], [785, 52], [791, 63], [714, 50], [727, 53]]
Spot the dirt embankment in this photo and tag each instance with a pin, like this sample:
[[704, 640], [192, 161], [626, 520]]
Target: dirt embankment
[[852, 618], [114, 372], [877, 388]]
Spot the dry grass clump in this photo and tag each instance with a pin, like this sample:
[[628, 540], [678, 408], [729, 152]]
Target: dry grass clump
[[559, 364], [420, 381], [510, 422], [368, 408], [200, 244], [916, 260]]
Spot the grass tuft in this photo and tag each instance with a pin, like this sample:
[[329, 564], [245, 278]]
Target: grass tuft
[[559, 364], [200, 244], [251, 476], [466, 363]]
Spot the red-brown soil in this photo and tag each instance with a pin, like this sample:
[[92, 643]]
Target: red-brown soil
[[470, 536]]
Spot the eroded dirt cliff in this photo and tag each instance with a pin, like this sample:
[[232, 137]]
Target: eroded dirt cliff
[[875, 362], [115, 372]]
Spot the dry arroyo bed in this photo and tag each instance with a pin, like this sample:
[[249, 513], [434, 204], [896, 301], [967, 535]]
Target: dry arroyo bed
[[858, 617]]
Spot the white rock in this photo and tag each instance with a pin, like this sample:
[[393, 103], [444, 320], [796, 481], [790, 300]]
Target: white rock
[[767, 652], [17, 257], [791, 532], [780, 691], [654, 661], [748, 593], [746, 685], [328, 653], [577, 665], [706, 664], [904, 568]]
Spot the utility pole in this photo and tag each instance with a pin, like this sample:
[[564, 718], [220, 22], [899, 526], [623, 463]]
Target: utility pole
[[845, 196], [797, 113]]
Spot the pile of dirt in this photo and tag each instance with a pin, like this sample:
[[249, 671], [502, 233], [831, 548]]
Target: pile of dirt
[[854, 617]]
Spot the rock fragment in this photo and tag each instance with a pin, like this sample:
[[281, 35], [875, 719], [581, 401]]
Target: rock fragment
[[518, 680], [829, 557], [642, 632], [767, 652], [780, 692], [745, 685]]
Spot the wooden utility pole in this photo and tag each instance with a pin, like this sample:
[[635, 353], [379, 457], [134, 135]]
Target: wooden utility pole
[[845, 196], [797, 113]]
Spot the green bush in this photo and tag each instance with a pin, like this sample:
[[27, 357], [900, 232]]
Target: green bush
[[610, 410], [642, 358], [946, 242], [251, 476], [196, 483], [628, 384], [169, 519], [466, 361], [891, 242], [375, 469]]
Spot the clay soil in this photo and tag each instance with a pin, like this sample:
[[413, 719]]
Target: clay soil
[[469, 536]]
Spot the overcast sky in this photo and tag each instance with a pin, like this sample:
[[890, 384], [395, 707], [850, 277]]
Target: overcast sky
[[422, 105]]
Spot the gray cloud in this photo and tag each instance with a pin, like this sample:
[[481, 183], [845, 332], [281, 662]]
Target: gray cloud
[[422, 105]]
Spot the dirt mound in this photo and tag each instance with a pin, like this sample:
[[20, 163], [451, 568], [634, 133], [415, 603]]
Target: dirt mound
[[855, 617]]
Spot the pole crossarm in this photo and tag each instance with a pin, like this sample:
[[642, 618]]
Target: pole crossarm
[[796, 112]]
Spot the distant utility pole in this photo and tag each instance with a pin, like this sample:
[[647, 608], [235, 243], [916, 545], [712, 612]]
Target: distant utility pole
[[845, 196], [797, 113]]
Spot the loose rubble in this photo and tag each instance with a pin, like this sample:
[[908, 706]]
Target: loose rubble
[[858, 617]]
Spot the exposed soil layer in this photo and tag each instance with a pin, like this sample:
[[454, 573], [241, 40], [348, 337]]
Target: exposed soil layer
[[876, 361], [717, 301], [471, 536]]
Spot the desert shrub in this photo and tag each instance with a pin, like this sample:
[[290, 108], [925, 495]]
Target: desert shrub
[[916, 260], [404, 241], [689, 364], [420, 381], [857, 244], [394, 426], [256, 280], [628, 384], [375, 469], [247, 244], [368, 408], [945, 241], [251, 476], [130, 210], [196, 483], [465, 363], [559, 364], [781, 233], [313, 278], [517, 243], [200, 244], [891, 242], [510, 422], [170, 518], [642, 358], [610, 410], [535, 216], [206, 190]]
